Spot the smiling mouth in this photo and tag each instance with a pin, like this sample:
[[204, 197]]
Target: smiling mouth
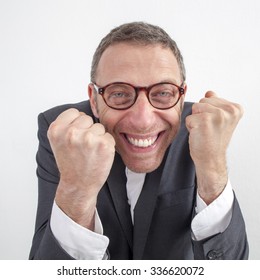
[[141, 142]]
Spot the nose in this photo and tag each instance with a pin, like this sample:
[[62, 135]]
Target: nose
[[142, 113]]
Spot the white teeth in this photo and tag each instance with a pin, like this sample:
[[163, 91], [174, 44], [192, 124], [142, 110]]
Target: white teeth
[[142, 143]]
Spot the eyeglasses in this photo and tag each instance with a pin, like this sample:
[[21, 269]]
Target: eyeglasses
[[121, 96]]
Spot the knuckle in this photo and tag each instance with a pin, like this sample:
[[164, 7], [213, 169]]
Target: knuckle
[[188, 120], [93, 141], [195, 107], [105, 144], [89, 138], [199, 107], [105, 141], [203, 100], [72, 111], [207, 121], [236, 110], [86, 118], [206, 118], [53, 132], [69, 114], [99, 128], [240, 110], [220, 114], [110, 139], [72, 135]]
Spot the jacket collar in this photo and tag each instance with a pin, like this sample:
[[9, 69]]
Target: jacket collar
[[117, 187]]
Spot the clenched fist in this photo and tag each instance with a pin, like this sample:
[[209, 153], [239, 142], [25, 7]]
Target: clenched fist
[[211, 125], [84, 153]]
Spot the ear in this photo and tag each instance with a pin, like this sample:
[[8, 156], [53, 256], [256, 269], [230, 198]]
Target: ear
[[185, 90], [93, 99]]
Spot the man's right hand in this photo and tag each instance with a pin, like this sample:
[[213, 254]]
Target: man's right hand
[[84, 153]]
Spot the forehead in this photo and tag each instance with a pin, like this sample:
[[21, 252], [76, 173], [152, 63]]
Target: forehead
[[140, 65]]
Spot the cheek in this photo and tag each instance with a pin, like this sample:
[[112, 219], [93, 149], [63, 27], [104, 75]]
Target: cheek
[[174, 122], [109, 118], [174, 118], [99, 109]]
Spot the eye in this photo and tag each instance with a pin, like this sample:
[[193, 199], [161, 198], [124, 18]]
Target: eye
[[119, 94], [161, 94], [120, 99], [118, 91], [164, 94]]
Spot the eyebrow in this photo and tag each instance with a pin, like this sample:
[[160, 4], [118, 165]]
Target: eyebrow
[[173, 81]]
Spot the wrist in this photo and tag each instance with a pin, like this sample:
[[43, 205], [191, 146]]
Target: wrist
[[211, 183], [77, 204]]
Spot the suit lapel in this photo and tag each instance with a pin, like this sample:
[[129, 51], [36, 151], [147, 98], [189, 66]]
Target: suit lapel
[[117, 186], [144, 210]]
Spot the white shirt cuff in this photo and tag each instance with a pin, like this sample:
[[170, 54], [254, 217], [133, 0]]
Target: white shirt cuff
[[213, 218], [79, 242]]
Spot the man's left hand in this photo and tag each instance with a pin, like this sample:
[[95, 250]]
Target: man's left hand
[[211, 125]]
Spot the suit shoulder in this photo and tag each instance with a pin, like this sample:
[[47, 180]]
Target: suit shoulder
[[51, 114], [187, 109], [183, 132]]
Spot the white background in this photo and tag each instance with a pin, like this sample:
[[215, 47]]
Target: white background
[[46, 49]]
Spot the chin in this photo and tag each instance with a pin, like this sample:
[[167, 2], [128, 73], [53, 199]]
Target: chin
[[143, 167]]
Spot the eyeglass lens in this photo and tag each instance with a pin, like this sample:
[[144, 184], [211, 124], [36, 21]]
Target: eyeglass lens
[[161, 96]]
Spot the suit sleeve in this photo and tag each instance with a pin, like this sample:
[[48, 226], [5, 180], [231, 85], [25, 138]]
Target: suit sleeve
[[44, 245], [229, 245]]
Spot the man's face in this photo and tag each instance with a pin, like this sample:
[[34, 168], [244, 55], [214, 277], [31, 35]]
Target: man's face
[[141, 123]]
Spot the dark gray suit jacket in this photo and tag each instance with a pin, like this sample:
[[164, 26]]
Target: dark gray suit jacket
[[163, 213]]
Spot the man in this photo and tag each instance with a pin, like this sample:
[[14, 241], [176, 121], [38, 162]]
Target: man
[[136, 173]]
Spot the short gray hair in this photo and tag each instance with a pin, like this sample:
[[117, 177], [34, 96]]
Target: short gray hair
[[139, 33]]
